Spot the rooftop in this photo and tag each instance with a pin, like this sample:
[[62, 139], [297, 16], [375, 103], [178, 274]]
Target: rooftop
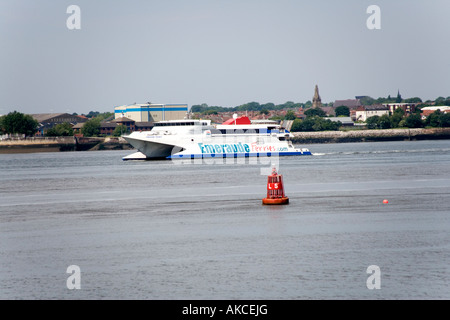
[[42, 117]]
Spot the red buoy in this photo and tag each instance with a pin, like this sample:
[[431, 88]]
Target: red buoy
[[275, 190]]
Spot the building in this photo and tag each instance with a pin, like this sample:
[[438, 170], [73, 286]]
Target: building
[[364, 112], [352, 104], [107, 127], [426, 111], [150, 112], [408, 108], [346, 121], [49, 120], [124, 121], [316, 102], [329, 111]]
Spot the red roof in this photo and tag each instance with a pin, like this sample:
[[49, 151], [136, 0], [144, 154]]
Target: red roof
[[239, 120]]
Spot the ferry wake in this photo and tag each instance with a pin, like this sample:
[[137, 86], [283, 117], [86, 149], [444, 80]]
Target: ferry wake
[[193, 138]]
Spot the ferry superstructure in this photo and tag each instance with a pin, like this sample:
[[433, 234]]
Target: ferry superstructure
[[193, 138]]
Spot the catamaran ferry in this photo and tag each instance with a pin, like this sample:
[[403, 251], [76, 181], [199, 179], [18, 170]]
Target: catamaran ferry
[[192, 139]]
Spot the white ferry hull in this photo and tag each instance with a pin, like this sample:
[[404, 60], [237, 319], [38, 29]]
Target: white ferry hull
[[151, 149], [198, 140], [209, 148]]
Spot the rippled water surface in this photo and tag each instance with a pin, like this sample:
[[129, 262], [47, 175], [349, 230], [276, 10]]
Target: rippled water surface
[[165, 230]]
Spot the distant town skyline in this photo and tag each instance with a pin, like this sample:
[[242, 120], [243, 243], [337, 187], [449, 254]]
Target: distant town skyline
[[222, 53]]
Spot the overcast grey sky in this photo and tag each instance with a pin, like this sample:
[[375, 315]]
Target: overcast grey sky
[[218, 52]]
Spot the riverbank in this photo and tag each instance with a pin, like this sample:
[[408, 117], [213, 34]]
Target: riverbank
[[371, 135], [58, 144]]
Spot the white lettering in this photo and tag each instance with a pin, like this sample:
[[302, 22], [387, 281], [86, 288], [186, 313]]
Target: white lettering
[[199, 310], [74, 281], [374, 280], [374, 21], [73, 22]]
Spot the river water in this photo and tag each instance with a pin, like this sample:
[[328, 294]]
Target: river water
[[168, 230]]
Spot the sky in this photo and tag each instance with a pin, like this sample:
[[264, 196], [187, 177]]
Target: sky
[[219, 52]]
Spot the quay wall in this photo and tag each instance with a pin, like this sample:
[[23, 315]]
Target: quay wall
[[57, 144], [371, 135]]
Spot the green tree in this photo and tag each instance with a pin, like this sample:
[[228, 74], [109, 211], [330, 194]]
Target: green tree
[[438, 119], [367, 101], [60, 130], [307, 124], [315, 112], [413, 121], [120, 130], [290, 115], [342, 111], [373, 122], [2, 130], [413, 100], [322, 124], [268, 106], [396, 117], [19, 123], [315, 124], [402, 123], [91, 128], [250, 106], [439, 101], [445, 120], [384, 122], [199, 108], [434, 119], [92, 114], [296, 125]]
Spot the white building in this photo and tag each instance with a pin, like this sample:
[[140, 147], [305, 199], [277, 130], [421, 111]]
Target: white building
[[150, 112], [407, 107], [426, 111], [364, 112]]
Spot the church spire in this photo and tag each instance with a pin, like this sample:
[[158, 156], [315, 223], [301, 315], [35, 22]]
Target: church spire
[[317, 102], [399, 97]]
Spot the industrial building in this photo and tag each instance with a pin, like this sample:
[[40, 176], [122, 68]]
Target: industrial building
[[151, 112], [49, 120]]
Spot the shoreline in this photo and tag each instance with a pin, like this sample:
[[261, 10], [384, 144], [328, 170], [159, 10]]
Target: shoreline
[[65, 144], [377, 135], [62, 144]]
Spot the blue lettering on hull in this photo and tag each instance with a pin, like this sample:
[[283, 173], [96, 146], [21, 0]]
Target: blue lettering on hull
[[237, 155], [223, 148]]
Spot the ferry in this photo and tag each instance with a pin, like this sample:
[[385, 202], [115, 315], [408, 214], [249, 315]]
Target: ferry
[[196, 138]]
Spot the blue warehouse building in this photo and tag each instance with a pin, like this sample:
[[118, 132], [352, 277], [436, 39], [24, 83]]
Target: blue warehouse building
[[150, 112]]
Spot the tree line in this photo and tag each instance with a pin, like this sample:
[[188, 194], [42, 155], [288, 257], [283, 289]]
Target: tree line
[[17, 123], [264, 107], [398, 119], [22, 124]]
